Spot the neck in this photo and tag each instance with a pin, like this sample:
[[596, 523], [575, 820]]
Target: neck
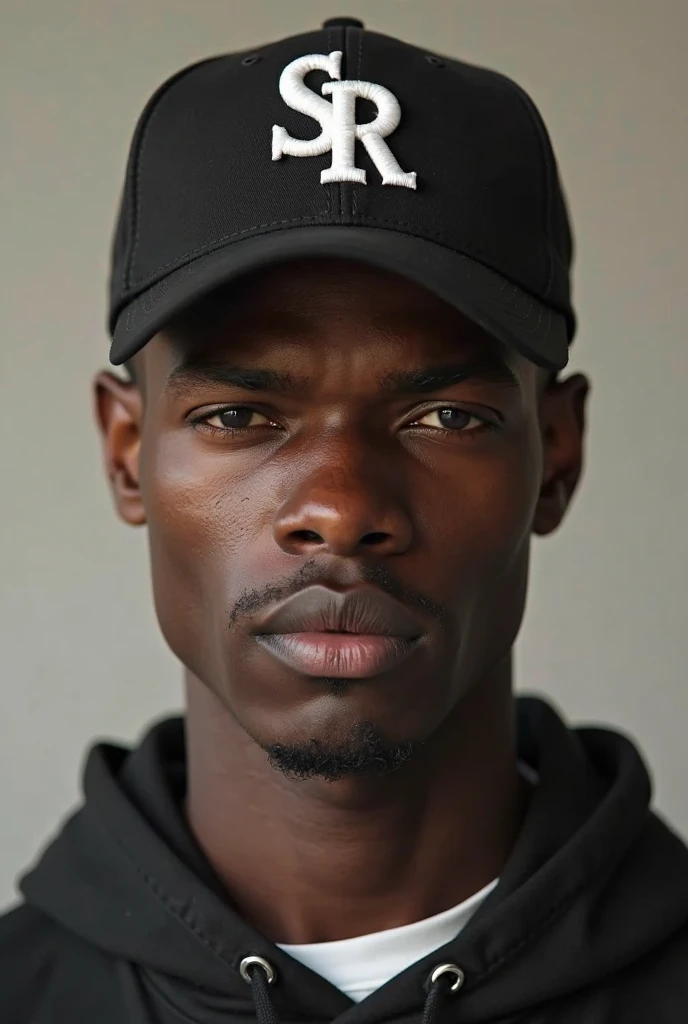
[[318, 861]]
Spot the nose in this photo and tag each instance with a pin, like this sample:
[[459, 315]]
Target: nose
[[345, 507]]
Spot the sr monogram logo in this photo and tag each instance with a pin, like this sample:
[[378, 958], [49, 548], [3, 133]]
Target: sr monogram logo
[[337, 120]]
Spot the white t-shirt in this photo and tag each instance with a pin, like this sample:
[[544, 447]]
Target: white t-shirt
[[362, 964]]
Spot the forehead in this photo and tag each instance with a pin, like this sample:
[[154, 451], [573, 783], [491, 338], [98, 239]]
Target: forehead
[[288, 297], [318, 309]]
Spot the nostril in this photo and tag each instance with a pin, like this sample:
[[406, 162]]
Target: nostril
[[309, 535]]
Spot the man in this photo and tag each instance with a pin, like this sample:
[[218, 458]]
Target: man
[[340, 282]]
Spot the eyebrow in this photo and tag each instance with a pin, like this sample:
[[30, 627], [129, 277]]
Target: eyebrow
[[489, 370], [493, 370]]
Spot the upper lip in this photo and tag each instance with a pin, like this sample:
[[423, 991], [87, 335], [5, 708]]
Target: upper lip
[[320, 609]]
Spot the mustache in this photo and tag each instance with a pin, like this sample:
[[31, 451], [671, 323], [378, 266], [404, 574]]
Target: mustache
[[313, 572]]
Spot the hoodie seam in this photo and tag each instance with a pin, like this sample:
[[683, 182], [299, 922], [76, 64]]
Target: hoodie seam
[[558, 908], [178, 915], [184, 1016], [542, 924]]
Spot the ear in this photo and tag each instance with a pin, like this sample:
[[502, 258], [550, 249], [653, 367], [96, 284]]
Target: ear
[[119, 415], [562, 421]]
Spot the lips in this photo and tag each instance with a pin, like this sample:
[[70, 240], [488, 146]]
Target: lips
[[355, 634], [365, 610], [344, 655]]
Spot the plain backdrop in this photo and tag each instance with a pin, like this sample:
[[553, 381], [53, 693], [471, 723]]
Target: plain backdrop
[[605, 633]]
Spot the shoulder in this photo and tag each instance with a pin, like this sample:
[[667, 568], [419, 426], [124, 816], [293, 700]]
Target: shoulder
[[28, 947]]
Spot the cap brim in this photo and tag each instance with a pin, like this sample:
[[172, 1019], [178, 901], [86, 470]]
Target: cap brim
[[504, 310]]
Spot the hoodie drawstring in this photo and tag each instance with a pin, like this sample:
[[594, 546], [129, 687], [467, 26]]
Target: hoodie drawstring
[[445, 979]]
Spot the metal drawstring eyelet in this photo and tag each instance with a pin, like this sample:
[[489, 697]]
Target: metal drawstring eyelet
[[257, 961], [459, 976]]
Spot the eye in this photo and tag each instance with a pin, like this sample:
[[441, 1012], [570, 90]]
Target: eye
[[455, 420], [231, 419]]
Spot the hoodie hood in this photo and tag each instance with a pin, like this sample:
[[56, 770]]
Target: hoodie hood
[[594, 884]]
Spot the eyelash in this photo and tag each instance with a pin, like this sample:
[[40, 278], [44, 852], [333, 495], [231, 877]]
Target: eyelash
[[199, 422]]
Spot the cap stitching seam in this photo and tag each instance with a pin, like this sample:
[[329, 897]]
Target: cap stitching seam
[[533, 118], [207, 246], [137, 189], [296, 220], [544, 307], [329, 189], [478, 251], [359, 62], [339, 33], [146, 121]]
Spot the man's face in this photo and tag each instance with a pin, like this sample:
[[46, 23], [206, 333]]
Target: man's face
[[352, 474]]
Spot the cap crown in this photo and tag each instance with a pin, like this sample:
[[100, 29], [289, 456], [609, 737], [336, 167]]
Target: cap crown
[[201, 174]]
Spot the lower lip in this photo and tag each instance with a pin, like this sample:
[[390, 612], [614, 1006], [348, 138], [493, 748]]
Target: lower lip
[[348, 655]]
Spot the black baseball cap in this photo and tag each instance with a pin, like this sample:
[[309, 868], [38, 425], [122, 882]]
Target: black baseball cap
[[345, 142]]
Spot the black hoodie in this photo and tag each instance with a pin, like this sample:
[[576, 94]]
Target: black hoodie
[[124, 921]]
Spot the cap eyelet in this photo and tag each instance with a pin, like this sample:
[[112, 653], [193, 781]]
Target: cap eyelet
[[459, 976], [435, 61], [257, 961], [253, 58]]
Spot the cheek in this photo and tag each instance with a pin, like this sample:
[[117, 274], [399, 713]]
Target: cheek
[[209, 539], [196, 534], [489, 538], [488, 504], [475, 512]]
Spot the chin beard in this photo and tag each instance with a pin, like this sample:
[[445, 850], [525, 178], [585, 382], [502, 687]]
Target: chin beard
[[365, 753]]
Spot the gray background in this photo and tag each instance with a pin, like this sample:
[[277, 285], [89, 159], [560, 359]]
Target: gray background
[[606, 627]]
